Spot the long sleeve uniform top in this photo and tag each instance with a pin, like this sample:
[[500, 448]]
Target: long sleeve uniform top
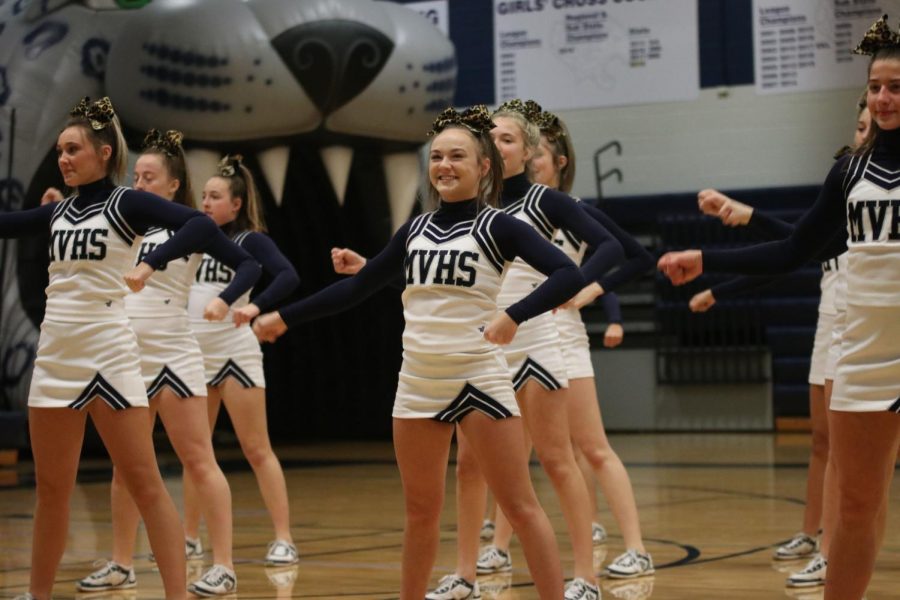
[[858, 209], [92, 235], [453, 259]]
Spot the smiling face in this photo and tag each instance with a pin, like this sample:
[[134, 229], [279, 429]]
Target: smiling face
[[151, 175], [455, 167], [883, 96], [510, 141], [79, 161], [218, 203]]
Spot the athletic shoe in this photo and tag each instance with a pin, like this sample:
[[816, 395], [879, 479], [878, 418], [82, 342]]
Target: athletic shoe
[[811, 575], [598, 533], [454, 587], [493, 560], [193, 548], [217, 581], [630, 564], [799, 546], [111, 576], [281, 552], [579, 589], [487, 530]]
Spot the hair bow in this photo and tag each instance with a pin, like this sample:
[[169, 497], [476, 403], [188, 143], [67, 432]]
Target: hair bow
[[230, 165], [99, 113], [878, 37], [169, 143], [529, 109], [476, 119]]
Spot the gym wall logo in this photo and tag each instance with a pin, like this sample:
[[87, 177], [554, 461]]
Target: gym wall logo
[[260, 74]]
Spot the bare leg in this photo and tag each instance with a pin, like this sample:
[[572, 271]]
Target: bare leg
[[192, 510], [547, 422], [422, 447], [187, 425], [247, 409], [56, 437], [815, 479], [830, 492], [125, 514], [863, 447], [471, 496], [586, 426], [126, 435], [590, 482], [506, 471]]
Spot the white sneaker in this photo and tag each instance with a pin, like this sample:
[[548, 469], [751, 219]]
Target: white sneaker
[[579, 589], [487, 530], [799, 546], [111, 576], [630, 564], [454, 587], [598, 533], [811, 575], [281, 552], [193, 548], [217, 581], [493, 560]]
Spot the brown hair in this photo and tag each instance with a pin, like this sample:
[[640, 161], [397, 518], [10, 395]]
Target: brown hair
[[490, 185], [241, 185], [561, 145]]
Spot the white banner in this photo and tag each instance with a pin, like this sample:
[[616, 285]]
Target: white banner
[[807, 45], [589, 53], [435, 11]]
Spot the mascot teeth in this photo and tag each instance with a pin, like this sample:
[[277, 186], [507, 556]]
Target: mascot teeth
[[274, 165]]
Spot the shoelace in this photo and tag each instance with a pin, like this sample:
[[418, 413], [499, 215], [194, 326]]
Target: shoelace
[[816, 565], [216, 575]]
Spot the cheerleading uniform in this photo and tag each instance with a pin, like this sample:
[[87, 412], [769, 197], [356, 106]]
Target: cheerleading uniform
[[862, 192], [170, 355], [454, 260], [230, 351], [87, 348], [536, 352]]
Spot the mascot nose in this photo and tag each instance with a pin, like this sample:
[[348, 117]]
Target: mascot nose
[[333, 60]]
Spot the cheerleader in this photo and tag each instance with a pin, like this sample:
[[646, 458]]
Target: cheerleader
[[87, 359], [864, 425], [231, 354], [454, 259], [172, 368]]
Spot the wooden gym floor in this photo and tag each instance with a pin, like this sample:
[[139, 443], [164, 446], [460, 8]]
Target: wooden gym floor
[[712, 508]]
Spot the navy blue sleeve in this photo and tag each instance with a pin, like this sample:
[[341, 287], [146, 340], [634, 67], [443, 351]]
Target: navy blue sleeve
[[736, 286], [612, 308], [768, 227], [22, 223], [378, 272], [284, 276], [637, 259], [193, 229], [563, 213], [246, 269], [564, 280], [820, 231]]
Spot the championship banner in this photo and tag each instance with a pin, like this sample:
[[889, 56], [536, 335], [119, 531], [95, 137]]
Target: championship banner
[[807, 45], [591, 53]]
